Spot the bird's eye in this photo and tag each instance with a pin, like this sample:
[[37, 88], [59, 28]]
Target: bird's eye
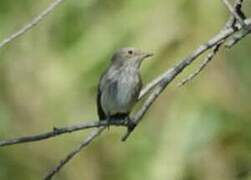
[[130, 52]]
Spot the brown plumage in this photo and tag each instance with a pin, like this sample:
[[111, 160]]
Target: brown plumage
[[120, 84]]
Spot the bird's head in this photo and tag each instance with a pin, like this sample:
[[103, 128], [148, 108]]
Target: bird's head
[[130, 56]]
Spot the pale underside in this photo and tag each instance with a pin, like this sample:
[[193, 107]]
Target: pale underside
[[119, 91]]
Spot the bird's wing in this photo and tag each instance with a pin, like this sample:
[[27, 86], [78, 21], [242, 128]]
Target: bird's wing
[[101, 112]]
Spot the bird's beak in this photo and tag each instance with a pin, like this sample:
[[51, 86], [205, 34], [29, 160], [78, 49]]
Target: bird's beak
[[147, 55]]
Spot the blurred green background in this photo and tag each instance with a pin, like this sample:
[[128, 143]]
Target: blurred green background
[[48, 77]]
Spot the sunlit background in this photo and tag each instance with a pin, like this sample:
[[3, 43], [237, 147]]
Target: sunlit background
[[48, 78]]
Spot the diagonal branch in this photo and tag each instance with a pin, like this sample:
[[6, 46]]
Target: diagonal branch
[[238, 9], [163, 80], [237, 37], [85, 143], [149, 87], [234, 11], [236, 14], [206, 61], [232, 22], [31, 24]]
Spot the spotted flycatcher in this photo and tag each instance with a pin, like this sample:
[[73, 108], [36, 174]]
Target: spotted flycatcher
[[120, 85]]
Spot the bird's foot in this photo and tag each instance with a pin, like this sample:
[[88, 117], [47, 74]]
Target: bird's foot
[[108, 123], [130, 124], [121, 120], [118, 119], [114, 121]]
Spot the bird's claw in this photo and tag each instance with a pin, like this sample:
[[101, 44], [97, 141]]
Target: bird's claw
[[130, 124]]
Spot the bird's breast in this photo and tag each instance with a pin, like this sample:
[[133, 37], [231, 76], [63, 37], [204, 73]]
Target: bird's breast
[[121, 92], [126, 89]]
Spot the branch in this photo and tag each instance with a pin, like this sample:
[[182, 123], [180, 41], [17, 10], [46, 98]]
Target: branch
[[234, 11], [163, 80], [237, 37], [207, 60], [232, 22], [86, 142], [237, 14], [31, 24], [238, 8], [149, 87], [59, 131]]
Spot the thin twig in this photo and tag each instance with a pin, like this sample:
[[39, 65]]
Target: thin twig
[[234, 12], [86, 142], [206, 61], [231, 23], [31, 24]]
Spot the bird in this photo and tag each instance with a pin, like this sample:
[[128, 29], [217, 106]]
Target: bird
[[120, 84]]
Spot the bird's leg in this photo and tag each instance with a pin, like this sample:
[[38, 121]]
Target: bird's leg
[[109, 119], [130, 124], [119, 119], [113, 120]]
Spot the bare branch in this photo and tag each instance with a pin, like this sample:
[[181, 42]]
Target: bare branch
[[149, 87], [232, 22], [206, 61], [238, 9], [237, 37], [31, 24], [163, 80], [85, 143], [59, 131], [234, 12]]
